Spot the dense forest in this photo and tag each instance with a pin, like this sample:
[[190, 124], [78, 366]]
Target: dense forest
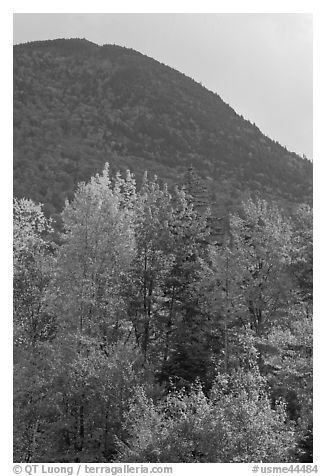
[[78, 105], [163, 306], [141, 335]]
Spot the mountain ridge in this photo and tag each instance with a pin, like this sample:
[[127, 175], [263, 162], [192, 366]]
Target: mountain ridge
[[90, 44], [111, 103]]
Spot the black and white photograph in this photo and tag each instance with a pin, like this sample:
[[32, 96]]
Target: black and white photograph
[[162, 241]]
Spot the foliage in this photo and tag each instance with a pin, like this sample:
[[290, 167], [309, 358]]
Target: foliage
[[234, 424], [139, 337], [96, 251], [76, 105], [33, 266]]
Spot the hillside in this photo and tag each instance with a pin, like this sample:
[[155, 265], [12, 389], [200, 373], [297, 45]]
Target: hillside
[[78, 105], [147, 327]]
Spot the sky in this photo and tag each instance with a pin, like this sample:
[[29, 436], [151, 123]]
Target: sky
[[259, 63]]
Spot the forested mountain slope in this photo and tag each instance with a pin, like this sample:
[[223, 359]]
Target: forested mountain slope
[[152, 328], [78, 105]]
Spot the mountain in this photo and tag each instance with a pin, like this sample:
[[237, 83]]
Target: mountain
[[78, 105]]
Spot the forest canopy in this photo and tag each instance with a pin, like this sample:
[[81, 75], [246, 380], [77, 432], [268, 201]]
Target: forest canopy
[[145, 332]]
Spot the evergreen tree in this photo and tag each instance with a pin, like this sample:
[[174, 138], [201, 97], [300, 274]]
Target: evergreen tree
[[196, 190], [186, 354]]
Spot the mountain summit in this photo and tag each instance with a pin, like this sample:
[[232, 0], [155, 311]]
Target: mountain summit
[[78, 105]]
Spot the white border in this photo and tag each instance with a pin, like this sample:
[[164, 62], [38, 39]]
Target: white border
[[319, 177]]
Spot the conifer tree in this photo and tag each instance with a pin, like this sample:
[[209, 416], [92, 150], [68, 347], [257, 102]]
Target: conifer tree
[[196, 189], [186, 349]]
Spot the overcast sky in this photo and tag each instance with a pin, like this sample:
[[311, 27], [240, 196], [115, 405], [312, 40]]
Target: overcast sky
[[260, 64]]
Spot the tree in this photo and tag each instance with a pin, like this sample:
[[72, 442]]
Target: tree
[[235, 423], [151, 264], [196, 190], [35, 325], [139, 338], [187, 352], [33, 322], [224, 303], [302, 252], [290, 376], [98, 245], [261, 243], [96, 251]]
